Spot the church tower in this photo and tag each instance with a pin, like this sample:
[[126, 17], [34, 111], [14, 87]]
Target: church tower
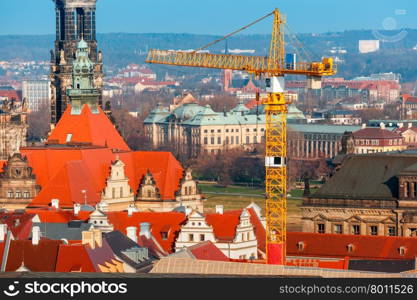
[[75, 22], [82, 90]]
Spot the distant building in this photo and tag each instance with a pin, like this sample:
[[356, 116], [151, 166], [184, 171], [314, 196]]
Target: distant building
[[198, 129], [367, 46], [314, 141], [37, 93], [371, 194], [377, 139]]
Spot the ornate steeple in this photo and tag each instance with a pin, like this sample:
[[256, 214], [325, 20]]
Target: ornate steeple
[[83, 90], [75, 21]]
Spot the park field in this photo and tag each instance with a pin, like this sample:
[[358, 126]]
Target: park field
[[238, 197]]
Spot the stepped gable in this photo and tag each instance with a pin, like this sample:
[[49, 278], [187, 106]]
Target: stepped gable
[[87, 128]]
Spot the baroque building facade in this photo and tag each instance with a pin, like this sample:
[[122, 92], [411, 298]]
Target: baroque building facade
[[373, 194], [13, 127], [240, 243], [17, 183], [198, 129], [75, 21]]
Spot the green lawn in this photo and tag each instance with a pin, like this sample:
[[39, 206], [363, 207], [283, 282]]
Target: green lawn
[[231, 189], [239, 202]]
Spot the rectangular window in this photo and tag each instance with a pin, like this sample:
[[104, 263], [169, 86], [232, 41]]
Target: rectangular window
[[202, 238], [373, 230], [69, 137], [205, 141], [338, 229], [191, 237], [247, 140], [237, 140], [212, 140], [219, 130], [10, 194], [18, 194], [356, 229], [320, 228], [391, 231], [232, 140], [227, 130], [219, 140], [26, 195]]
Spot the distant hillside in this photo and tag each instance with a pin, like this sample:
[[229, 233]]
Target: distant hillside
[[122, 48]]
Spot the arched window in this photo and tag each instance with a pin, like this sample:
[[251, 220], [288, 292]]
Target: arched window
[[149, 193]]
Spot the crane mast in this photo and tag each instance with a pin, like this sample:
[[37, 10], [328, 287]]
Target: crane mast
[[273, 68]]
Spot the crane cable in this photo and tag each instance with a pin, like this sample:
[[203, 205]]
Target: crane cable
[[299, 44], [233, 33]]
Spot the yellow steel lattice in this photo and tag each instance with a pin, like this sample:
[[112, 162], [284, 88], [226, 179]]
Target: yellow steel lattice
[[276, 177]]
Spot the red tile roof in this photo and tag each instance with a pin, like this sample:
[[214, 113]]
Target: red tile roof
[[259, 229], [87, 127], [37, 258], [19, 224], [58, 216], [224, 225], [207, 251], [10, 94], [375, 133], [73, 258], [364, 247], [158, 221], [63, 173], [2, 163]]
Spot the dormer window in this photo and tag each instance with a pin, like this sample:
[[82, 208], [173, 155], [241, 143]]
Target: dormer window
[[69, 137], [300, 246], [350, 248]]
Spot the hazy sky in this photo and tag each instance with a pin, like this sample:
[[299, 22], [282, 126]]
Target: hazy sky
[[215, 16]]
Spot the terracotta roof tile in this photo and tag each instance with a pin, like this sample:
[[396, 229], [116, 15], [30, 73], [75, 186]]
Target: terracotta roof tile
[[87, 127], [37, 258], [207, 251], [364, 247], [73, 258], [158, 220], [375, 133]]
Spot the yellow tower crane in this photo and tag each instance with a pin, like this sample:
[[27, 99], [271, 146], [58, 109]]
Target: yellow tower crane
[[273, 68]]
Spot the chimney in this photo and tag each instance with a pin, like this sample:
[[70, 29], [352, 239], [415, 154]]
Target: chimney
[[145, 229], [363, 125], [410, 125], [3, 231], [88, 238], [188, 210], [36, 235], [219, 209], [131, 209], [131, 233], [55, 203], [98, 237], [382, 125], [77, 208], [92, 238]]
